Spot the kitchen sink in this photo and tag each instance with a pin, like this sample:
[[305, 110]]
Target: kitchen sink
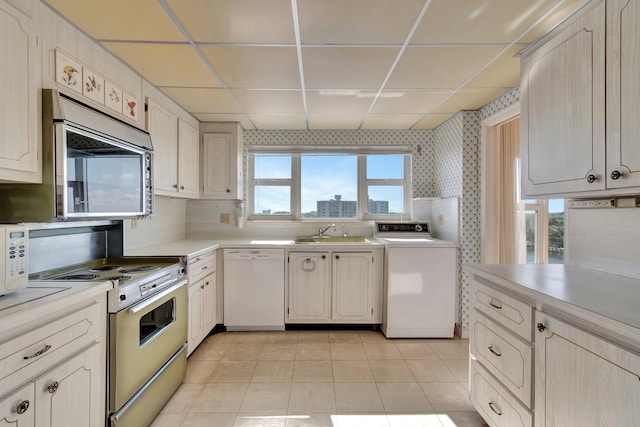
[[332, 239]]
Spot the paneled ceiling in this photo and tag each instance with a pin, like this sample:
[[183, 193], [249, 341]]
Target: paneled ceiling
[[322, 64]]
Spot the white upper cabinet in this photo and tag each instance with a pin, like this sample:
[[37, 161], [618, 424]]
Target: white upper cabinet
[[623, 93], [19, 89], [222, 161], [175, 153], [189, 160], [563, 128], [580, 106]]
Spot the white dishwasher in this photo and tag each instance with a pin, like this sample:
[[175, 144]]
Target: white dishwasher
[[253, 289]]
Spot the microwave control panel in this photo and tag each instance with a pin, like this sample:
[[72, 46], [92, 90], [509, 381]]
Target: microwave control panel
[[13, 252]]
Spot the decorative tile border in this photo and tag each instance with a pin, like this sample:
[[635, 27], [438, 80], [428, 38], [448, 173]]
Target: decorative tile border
[[73, 75]]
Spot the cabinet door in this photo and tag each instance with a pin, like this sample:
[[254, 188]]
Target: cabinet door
[[351, 286], [309, 290], [18, 409], [563, 110], [582, 380], [189, 160], [72, 395], [623, 93], [163, 127], [19, 115], [209, 303], [195, 327], [218, 161]]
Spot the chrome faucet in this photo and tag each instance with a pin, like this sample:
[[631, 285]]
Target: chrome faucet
[[324, 230]]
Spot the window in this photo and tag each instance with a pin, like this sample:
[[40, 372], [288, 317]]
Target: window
[[544, 221], [301, 184]]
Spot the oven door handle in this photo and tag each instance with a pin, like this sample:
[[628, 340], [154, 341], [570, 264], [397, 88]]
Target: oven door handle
[[155, 298]]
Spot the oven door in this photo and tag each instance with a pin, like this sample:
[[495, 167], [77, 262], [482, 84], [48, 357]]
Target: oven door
[[142, 338]]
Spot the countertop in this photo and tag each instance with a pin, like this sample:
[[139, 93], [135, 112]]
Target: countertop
[[15, 311], [194, 247], [606, 302]]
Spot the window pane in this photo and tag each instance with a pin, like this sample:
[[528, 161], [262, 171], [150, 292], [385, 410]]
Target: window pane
[[270, 166], [329, 186], [271, 200], [556, 231], [385, 166], [531, 221], [385, 199]]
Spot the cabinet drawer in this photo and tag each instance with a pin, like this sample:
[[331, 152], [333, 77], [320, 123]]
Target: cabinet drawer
[[200, 266], [505, 356], [509, 312], [493, 401], [52, 342]]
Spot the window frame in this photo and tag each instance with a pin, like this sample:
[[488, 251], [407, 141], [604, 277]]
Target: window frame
[[294, 183]]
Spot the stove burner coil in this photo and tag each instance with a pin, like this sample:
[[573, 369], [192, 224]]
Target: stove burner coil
[[140, 268], [121, 277], [105, 268], [78, 277]]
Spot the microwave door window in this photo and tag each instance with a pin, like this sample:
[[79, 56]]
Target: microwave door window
[[102, 178]]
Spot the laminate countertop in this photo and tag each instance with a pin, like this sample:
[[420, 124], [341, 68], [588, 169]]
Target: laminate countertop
[[605, 303]]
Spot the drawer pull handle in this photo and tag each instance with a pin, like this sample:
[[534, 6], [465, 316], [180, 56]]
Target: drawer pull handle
[[204, 267], [494, 409], [22, 407], [496, 306], [497, 353], [53, 387], [40, 352]]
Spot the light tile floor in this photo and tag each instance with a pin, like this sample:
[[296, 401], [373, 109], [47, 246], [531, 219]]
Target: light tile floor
[[323, 378]]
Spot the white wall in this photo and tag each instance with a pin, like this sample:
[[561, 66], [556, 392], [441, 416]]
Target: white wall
[[167, 224]]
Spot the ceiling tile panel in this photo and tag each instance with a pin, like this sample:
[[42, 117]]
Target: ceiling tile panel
[[241, 118], [347, 67], [339, 101], [503, 72], [390, 121], [439, 67], [469, 99], [120, 19], [255, 67], [464, 21], [236, 21], [432, 121], [165, 64], [202, 100], [357, 21], [335, 121], [282, 121], [270, 101], [408, 101]]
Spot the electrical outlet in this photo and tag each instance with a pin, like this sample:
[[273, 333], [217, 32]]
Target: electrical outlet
[[134, 223], [225, 218]]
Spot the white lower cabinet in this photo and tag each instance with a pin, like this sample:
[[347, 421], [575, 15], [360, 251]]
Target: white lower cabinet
[[336, 287], [57, 368], [202, 298], [583, 380], [18, 409], [501, 354]]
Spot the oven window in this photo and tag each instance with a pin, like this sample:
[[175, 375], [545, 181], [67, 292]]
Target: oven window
[[154, 322], [102, 177]]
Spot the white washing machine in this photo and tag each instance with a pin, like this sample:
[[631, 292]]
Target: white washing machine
[[420, 281]]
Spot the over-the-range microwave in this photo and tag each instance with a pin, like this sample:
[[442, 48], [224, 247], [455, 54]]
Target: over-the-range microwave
[[93, 167]]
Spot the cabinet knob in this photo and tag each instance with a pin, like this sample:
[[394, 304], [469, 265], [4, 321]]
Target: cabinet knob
[[615, 175], [53, 387], [22, 407], [228, 190], [591, 178], [541, 327], [182, 187], [175, 186]]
